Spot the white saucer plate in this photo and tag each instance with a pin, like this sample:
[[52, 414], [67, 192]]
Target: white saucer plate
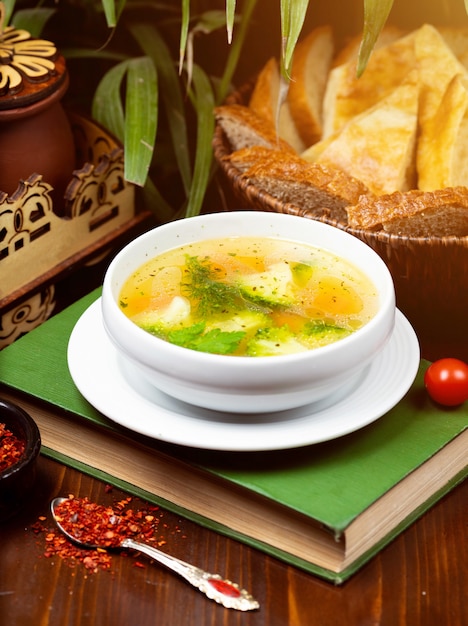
[[114, 387]]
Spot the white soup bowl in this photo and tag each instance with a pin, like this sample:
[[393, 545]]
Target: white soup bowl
[[238, 384]]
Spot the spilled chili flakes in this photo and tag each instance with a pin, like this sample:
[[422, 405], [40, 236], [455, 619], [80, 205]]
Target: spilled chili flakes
[[101, 525], [11, 448]]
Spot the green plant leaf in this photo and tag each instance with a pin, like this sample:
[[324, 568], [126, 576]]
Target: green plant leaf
[[92, 53], [293, 13], [156, 203], [170, 92], [184, 28], [203, 100], [230, 16], [376, 13], [235, 50], [208, 22], [107, 106], [6, 11], [141, 114], [136, 127], [33, 20], [109, 12]]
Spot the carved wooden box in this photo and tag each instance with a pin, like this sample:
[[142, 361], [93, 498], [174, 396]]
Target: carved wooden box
[[40, 242]]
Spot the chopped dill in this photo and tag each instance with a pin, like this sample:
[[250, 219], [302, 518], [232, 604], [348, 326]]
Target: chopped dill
[[202, 286]]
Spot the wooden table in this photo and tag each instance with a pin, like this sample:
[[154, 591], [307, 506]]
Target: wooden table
[[420, 579]]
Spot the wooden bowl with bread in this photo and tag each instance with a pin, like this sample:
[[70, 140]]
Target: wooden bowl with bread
[[383, 157]]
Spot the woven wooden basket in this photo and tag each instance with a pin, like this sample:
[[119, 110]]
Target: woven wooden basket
[[430, 273]]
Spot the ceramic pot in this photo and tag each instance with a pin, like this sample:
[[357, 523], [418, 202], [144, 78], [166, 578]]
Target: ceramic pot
[[35, 134], [17, 481]]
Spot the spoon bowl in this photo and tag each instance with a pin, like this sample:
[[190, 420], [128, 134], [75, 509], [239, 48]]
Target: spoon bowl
[[213, 586]]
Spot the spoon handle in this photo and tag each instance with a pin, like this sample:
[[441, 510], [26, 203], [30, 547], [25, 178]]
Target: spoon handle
[[213, 586]]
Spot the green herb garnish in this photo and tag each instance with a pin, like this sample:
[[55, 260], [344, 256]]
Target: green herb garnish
[[214, 341], [321, 330], [210, 294]]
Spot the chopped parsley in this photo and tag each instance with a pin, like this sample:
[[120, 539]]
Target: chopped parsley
[[214, 341]]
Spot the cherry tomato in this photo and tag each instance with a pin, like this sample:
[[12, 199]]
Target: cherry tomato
[[446, 381]]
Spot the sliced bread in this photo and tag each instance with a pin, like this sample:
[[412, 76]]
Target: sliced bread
[[244, 128], [457, 40], [269, 101], [309, 75], [347, 96], [320, 190], [378, 146], [415, 213], [443, 149], [437, 65], [350, 50]]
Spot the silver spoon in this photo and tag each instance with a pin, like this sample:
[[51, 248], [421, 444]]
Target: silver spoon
[[213, 586]]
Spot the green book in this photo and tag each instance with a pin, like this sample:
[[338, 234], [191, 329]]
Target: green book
[[325, 508]]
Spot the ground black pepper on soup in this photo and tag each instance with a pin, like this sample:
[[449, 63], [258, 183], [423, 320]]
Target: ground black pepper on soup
[[246, 296]]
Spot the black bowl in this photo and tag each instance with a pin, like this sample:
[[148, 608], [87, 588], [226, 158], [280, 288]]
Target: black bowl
[[17, 480]]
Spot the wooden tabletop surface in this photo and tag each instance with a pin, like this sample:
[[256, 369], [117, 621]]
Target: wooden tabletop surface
[[420, 579]]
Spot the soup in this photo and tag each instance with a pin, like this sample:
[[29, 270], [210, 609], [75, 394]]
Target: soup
[[246, 296]]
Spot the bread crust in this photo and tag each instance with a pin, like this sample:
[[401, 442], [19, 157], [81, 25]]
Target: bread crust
[[378, 146], [309, 75], [244, 128], [319, 189], [269, 101], [441, 213], [346, 96]]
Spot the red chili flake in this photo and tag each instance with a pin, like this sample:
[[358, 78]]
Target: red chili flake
[[11, 448], [92, 523], [98, 524], [224, 587]]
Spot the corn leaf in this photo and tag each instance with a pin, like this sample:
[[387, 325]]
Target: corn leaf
[[107, 106], [170, 93], [203, 100], [141, 114], [293, 13], [376, 13], [230, 15]]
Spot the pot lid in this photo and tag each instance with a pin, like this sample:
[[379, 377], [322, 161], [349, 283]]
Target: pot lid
[[30, 69]]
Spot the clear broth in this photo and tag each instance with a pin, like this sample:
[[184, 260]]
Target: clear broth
[[247, 296]]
